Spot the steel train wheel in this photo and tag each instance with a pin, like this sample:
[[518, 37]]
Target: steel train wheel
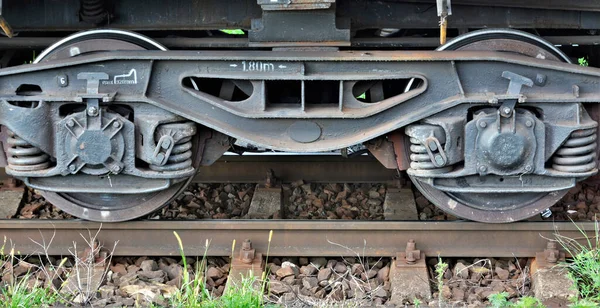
[[107, 207], [496, 207]]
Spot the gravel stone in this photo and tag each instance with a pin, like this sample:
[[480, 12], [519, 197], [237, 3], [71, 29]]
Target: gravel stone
[[324, 274], [473, 281]]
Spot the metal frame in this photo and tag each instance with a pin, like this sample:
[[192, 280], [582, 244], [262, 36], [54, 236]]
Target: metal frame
[[453, 82], [453, 78]]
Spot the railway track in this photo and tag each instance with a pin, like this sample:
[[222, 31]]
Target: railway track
[[294, 239], [297, 238]]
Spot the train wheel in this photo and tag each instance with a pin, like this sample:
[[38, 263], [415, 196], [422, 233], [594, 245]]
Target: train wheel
[[107, 207], [496, 207]]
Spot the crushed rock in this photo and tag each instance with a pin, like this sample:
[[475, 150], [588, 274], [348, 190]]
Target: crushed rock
[[359, 281]]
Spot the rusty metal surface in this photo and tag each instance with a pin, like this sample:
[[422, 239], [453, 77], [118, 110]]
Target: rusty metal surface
[[46, 15], [241, 42], [296, 238], [580, 5], [323, 169]]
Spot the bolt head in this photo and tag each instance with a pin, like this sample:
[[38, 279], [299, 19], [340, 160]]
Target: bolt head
[[528, 123], [116, 168], [482, 124], [482, 168], [506, 110], [116, 124], [540, 79], [92, 111], [528, 168], [70, 123], [160, 157], [439, 160], [72, 168], [166, 144]]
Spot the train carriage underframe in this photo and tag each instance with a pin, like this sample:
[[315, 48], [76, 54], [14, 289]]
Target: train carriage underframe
[[494, 126]]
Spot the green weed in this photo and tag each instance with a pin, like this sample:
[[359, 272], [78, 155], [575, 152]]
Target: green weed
[[233, 31], [584, 267], [440, 269], [19, 295], [500, 300], [194, 293]]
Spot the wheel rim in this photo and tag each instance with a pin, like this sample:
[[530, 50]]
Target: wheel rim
[[107, 207], [493, 207]]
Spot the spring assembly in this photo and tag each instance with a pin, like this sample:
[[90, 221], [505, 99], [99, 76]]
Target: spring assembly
[[420, 160], [93, 11], [180, 157], [22, 156], [578, 153]]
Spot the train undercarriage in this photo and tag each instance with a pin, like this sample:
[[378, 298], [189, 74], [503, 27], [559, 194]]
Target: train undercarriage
[[494, 126]]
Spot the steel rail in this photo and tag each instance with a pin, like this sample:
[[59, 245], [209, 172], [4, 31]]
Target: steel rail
[[293, 238]]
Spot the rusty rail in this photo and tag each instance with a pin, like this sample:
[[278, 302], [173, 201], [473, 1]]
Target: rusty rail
[[295, 238]]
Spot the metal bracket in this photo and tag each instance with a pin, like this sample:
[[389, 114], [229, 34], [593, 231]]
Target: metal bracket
[[550, 256], [285, 21], [444, 8], [163, 149], [92, 87], [248, 260], [516, 82], [290, 5], [435, 150], [411, 256]]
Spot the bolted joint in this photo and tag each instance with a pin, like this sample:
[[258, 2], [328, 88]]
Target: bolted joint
[[247, 253], [270, 180], [551, 253], [92, 111], [411, 252]]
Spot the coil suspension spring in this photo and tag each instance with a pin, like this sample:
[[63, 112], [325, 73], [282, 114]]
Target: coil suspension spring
[[180, 157], [578, 153], [22, 156], [93, 11], [419, 157]]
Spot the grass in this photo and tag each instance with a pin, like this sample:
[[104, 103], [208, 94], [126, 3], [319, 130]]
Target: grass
[[440, 269], [18, 294], [584, 267], [500, 300], [194, 293]]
